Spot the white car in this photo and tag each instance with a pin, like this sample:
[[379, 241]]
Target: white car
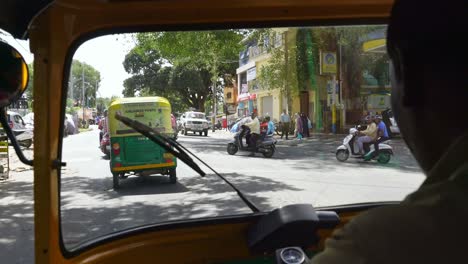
[[195, 122]]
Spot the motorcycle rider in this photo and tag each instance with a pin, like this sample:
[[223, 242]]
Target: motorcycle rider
[[254, 126], [270, 127], [382, 132], [368, 135]]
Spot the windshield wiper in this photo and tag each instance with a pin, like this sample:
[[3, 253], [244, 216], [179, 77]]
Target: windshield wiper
[[180, 152]]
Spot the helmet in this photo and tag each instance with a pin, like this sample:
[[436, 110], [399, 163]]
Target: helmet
[[267, 117]]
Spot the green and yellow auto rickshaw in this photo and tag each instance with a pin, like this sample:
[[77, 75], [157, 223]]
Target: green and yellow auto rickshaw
[[132, 153]]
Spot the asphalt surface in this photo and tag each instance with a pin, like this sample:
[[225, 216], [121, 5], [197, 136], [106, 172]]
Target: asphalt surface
[[299, 172]]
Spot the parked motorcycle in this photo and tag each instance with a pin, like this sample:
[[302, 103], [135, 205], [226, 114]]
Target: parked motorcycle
[[266, 146], [350, 148]]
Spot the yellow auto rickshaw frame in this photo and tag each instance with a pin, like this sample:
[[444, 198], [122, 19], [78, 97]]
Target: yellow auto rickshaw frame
[[59, 29]]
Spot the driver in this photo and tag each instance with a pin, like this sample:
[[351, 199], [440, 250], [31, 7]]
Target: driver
[[254, 126], [430, 91]]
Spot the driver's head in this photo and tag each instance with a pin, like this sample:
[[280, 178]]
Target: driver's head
[[105, 112], [428, 53], [253, 115]]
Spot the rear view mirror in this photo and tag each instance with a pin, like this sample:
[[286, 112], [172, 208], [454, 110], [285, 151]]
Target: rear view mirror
[[13, 74], [13, 81]]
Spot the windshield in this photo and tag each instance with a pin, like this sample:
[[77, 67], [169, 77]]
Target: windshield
[[196, 115], [316, 84]]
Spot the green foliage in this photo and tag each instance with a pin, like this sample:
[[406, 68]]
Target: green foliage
[[92, 79], [281, 71], [182, 66], [104, 102]]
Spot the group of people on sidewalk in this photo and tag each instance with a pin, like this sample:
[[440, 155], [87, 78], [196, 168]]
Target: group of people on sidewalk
[[302, 125], [376, 132]]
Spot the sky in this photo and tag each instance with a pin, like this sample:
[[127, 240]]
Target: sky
[[105, 54]]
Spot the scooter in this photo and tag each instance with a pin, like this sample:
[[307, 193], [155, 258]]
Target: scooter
[[350, 147], [266, 146]]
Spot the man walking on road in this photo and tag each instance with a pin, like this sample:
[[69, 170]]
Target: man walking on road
[[285, 121]]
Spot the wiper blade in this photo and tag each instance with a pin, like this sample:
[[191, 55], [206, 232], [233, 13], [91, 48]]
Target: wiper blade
[[162, 141], [171, 145]]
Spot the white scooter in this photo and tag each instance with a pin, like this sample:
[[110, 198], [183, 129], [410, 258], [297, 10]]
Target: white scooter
[[350, 148]]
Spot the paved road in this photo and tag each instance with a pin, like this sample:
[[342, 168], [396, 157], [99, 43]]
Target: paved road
[[307, 172]]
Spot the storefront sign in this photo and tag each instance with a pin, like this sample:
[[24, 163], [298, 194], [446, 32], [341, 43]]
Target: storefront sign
[[251, 74]]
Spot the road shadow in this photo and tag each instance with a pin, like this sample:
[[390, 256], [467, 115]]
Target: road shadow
[[17, 221], [107, 211], [143, 185]]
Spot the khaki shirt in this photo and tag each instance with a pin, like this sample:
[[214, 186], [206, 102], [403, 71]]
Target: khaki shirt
[[371, 131], [429, 226]]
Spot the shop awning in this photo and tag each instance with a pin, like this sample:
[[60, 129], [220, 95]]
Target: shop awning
[[246, 97]]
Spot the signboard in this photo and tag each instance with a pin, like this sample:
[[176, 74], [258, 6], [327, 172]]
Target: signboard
[[328, 62], [152, 114], [251, 74]]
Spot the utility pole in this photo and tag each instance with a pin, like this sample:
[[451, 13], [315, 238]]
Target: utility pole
[[333, 84], [95, 94], [83, 91], [214, 107], [72, 83]]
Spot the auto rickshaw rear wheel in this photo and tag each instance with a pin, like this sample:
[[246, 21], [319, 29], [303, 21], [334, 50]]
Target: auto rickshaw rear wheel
[[172, 176]]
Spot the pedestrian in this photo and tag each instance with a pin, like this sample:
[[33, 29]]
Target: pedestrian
[[285, 122], [299, 127], [305, 125]]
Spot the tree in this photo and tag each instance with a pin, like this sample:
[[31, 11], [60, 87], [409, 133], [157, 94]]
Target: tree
[[92, 79], [183, 85], [281, 70], [205, 55]]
